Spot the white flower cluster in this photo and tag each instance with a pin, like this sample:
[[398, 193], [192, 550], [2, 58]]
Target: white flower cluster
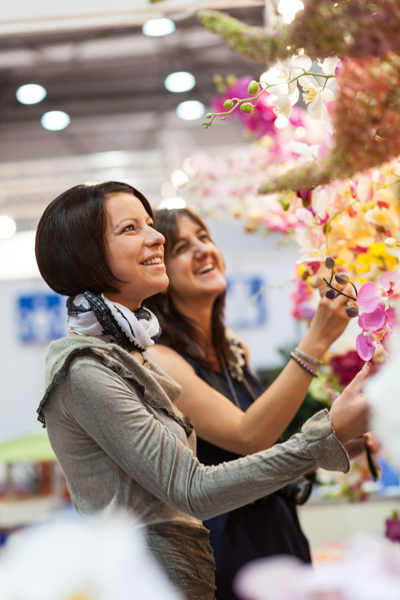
[[104, 559], [314, 95]]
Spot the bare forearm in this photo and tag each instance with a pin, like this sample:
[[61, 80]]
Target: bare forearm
[[268, 417]]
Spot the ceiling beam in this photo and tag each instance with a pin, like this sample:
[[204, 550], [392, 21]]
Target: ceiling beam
[[22, 17]]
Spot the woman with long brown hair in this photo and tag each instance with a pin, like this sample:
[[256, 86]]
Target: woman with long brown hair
[[232, 414]]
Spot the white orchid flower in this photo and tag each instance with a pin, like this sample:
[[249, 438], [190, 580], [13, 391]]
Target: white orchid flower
[[286, 69], [314, 96], [329, 65], [283, 106], [306, 152], [105, 559]]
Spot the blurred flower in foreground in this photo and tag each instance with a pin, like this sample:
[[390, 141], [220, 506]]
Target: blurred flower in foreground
[[66, 560], [383, 393], [369, 569], [393, 527]]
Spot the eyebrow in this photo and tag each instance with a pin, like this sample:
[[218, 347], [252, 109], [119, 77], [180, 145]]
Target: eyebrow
[[183, 239], [132, 219]]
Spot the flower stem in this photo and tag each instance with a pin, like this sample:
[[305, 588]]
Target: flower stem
[[338, 291], [225, 115]]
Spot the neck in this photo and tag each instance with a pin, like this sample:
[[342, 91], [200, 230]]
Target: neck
[[130, 303], [200, 315]]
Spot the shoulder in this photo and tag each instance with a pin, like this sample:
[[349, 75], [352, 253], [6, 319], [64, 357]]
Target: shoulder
[[238, 347], [168, 359], [89, 376]]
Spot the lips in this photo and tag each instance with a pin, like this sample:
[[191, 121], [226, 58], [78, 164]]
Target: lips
[[153, 260], [205, 269]]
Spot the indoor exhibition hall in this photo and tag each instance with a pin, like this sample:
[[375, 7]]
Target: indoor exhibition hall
[[200, 300]]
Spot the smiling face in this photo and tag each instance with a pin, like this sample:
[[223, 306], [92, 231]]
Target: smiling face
[[135, 251], [194, 265]]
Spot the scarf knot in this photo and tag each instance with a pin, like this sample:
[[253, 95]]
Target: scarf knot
[[93, 314]]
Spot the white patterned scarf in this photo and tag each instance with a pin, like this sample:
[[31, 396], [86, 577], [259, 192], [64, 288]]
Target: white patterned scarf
[[93, 314]]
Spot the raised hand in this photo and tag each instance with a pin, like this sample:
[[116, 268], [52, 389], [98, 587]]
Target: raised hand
[[350, 411]]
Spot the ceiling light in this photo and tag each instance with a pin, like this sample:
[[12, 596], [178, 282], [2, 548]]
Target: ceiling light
[[7, 227], [180, 82], [179, 178], [190, 110], [158, 27], [289, 8], [171, 203], [31, 93], [55, 120]]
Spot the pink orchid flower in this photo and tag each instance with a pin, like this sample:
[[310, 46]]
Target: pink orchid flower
[[374, 330], [377, 327], [370, 296], [390, 283]]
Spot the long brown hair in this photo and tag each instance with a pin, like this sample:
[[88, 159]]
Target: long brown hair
[[178, 331]]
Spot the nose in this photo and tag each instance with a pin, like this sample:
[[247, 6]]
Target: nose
[[154, 237], [200, 248]]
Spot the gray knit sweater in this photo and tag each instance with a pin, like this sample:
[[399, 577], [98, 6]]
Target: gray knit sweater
[[123, 444]]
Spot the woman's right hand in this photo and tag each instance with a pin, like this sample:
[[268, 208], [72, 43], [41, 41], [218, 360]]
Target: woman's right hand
[[350, 411], [329, 322]]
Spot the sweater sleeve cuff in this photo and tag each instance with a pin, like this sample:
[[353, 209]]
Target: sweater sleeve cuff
[[323, 444]]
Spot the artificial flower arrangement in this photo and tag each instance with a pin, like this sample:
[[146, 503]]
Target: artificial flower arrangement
[[366, 121], [338, 197], [340, 201]]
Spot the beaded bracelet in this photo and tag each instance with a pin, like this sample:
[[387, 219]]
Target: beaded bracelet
[[307, 357], [303, 364]]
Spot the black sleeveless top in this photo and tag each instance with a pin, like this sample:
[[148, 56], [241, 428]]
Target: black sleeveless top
[[267, 527]]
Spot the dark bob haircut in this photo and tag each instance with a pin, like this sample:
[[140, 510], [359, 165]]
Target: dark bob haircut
[[70, 239]]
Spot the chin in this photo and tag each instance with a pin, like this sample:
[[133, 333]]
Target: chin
[[161, 286]]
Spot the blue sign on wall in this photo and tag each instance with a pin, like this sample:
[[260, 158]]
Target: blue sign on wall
[[246, 301], [41, 318]]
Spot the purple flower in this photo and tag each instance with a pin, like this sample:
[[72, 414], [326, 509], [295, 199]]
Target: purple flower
[[393, 528]]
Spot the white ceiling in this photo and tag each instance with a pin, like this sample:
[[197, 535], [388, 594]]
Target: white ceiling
[[27, 16], [110, 80]]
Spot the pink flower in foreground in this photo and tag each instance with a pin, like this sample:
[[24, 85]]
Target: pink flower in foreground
[[369, 297], [390, 283], [377, 327], [366, 568], [377, 322], [393, 528]]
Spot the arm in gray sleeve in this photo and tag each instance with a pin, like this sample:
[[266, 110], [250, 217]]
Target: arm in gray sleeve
[[108, 410]]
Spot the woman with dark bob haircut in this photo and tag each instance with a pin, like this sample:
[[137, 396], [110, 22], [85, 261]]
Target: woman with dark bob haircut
[[110, 410], [232, 413]]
